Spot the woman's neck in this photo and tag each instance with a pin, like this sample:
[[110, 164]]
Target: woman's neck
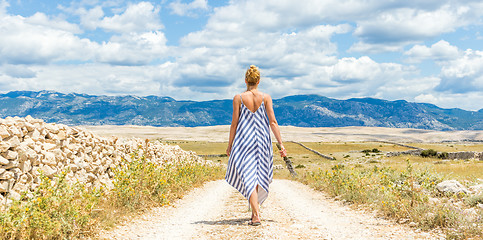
[[251, 88]]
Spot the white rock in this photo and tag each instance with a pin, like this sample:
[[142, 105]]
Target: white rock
[[15, 131], [4, 146], [30, 127], [48, 171], [28, 141], [61, 135], [13, 141], [32, 120], [19, 187], [53, 128], [7, 175], [10, 155], [4, 132], [451, 186], [3, 161], [25, 166], [4, 186], [35, 135], [49, 158], [48, 146], [11, 164]]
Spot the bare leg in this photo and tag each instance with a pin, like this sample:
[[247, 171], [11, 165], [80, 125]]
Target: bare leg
[[254, 205]]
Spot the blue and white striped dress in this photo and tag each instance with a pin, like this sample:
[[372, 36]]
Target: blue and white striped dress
[[251, 157]]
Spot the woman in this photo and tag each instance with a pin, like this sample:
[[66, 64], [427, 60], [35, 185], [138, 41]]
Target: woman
[[250, 167]]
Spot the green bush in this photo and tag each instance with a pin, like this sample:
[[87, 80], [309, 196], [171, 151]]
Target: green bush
[[443, 155], [429, 153]]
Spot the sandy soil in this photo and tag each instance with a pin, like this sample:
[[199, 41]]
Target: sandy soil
[[289, 133], [292, 211]]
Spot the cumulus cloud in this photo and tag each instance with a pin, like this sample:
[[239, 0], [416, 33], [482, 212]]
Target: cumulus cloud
[[17, 71], [188, 9], [133, 49], [440, 51], [464, 74], [140, 17], [33, 40], [399, 27], [445, 100]]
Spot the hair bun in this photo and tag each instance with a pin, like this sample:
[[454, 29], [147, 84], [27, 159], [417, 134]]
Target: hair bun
[[252, 76]]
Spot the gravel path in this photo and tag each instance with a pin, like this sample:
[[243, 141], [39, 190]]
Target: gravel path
[[292, 211]]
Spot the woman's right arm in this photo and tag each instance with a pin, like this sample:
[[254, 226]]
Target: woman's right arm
[[234, 122], [274, 124]]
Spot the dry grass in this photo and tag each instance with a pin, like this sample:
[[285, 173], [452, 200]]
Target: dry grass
[[451, 147], [350, 153]]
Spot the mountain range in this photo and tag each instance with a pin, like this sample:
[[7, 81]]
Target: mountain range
[[298, 110]]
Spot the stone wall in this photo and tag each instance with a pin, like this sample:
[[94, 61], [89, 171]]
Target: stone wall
[[30, 146], [451, 155]]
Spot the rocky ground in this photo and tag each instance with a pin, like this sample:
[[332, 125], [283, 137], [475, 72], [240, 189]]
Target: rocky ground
[[292, 211]]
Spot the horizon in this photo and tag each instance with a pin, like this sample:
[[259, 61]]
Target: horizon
[[229, 99], [199, 49]]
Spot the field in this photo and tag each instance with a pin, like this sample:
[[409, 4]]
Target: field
[[350, 154]]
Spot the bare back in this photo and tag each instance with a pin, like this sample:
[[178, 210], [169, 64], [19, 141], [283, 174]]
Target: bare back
[[252, 100]]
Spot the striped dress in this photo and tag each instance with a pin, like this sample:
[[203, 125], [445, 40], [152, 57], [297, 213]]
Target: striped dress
[[251, 157]]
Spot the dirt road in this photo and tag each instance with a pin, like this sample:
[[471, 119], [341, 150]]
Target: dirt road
[[292, 211]]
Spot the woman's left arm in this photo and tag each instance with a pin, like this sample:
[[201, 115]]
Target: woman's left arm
[[234, 122]]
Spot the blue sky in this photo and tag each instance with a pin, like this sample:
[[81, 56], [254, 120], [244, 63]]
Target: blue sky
[[420, 51]]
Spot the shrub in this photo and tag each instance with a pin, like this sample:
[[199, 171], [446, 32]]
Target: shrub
[[443, 155], [368, 151], [429, 153]]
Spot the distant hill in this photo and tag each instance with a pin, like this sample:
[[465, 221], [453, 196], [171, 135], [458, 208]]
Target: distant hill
[[299, 110]]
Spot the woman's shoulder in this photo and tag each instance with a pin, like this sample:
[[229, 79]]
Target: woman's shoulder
[[266, 96]]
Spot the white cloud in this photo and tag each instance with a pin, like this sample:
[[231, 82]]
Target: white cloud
[[90, 78], [188, 9], [406, 25], [464, 74], [32, 40], [133, 49], [445, 100], [17, 71], [140, 17], [372, 48], [40, 19], [440, 51], [90, 19]]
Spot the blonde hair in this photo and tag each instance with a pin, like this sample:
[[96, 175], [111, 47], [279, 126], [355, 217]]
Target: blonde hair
[[252, 76]]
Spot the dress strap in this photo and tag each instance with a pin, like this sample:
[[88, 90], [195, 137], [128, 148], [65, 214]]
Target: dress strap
[[241, 99]]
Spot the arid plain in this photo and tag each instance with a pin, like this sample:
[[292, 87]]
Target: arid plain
[[290, 133]]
